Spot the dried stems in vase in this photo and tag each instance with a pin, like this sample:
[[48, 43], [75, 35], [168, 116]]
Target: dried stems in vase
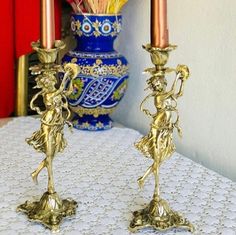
[[97, 6]]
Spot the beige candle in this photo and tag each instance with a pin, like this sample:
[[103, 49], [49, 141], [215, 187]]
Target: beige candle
[[159, 27], [47, 24]]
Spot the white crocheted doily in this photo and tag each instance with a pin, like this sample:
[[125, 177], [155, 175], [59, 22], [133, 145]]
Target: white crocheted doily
[[99, 170]]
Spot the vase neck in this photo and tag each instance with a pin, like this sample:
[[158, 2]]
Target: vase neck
[[93, 44], [95, 33]]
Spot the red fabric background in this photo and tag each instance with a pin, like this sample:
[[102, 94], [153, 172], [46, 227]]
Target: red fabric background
[[20, 25], [6, 58], [27, 24]]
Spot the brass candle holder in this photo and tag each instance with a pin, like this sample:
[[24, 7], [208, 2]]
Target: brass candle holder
[[49, 139], [158, 143]]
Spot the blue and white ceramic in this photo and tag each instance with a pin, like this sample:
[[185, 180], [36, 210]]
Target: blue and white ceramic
[[102, 80]]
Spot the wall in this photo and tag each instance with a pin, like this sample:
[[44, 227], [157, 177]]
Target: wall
[[205, 32]]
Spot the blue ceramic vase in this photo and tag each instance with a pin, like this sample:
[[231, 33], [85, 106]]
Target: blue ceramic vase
[[102, 80]]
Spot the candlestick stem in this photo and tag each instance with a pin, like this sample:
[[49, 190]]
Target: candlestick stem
[[158, 143]]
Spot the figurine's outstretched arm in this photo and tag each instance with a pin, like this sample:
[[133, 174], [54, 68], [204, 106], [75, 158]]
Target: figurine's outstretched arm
[[63, 83], [66, 107], [181, 86], [69, 89], [146, 111], [32, 106], [182, 75], [71, 72], [172, 93]]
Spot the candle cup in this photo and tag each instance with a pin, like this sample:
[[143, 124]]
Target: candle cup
[[48, 56]]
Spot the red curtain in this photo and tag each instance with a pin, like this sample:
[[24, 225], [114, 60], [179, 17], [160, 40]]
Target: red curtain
[[20, 20], [6, 58]]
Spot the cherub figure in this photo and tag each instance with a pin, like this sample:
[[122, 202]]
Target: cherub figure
[[50, 138], [158, 144]]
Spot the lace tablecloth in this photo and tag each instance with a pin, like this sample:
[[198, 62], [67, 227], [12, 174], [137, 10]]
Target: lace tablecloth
[[99, 170]]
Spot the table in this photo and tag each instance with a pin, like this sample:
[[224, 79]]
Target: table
[[99, 170]]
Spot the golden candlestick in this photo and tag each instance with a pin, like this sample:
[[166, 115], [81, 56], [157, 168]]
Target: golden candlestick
[[49, 139], [158, 143]]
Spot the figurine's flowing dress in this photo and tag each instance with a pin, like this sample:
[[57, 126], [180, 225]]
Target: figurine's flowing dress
[[51, 127], [158, 143]]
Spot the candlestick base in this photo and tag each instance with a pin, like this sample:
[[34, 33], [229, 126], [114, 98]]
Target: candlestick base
[[159, 216], [49, 210]]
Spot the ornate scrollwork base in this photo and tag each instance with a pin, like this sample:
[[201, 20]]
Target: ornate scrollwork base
[[159, 216], [49, 210]]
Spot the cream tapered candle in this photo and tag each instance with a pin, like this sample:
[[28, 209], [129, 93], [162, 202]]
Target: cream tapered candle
[[47, 24], [159, 27]]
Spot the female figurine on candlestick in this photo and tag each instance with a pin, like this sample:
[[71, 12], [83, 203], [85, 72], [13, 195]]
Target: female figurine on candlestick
[[158, 144], [52, 120]]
